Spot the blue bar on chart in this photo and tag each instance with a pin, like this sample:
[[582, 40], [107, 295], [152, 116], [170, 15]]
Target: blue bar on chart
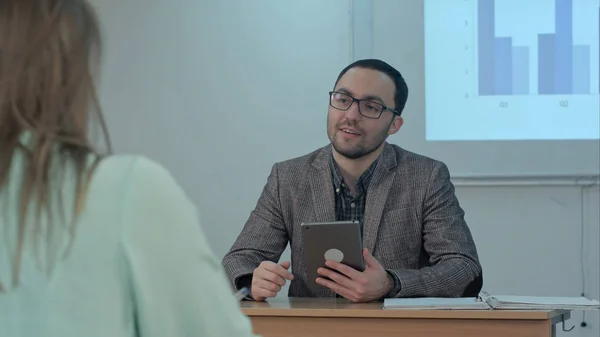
[[504, 69], [581, 69], [495, 54], [503, 66], [486, 36], [563, 47], [520, 70], [546, 64]]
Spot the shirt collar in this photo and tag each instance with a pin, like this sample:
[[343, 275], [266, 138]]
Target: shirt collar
[[363, 180]]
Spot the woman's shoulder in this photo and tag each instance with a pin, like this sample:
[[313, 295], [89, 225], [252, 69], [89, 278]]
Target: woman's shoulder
[[136, 176], [129, 167]]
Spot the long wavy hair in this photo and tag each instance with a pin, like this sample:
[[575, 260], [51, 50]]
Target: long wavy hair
[[49, 54]]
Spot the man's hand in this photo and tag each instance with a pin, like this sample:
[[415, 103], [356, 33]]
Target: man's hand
[[268, 278], [370, 285]]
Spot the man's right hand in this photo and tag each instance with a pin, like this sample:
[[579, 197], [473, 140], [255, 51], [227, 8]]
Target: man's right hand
[[268, 278]]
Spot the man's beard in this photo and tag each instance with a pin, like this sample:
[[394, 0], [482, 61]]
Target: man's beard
[[360, 150]]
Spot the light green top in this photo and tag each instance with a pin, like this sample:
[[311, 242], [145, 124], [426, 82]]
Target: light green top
[[139, 265]]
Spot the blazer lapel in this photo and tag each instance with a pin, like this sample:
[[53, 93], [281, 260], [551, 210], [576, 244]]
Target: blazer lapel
[[323, 198], [377, 195], [321, 185]]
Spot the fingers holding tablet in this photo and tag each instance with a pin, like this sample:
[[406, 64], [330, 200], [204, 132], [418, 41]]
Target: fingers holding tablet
[[332, 247], [358, 286]]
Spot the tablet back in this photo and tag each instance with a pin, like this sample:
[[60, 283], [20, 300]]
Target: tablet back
[[339, 240]]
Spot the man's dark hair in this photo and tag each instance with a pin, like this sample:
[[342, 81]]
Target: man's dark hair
[[401, 94]]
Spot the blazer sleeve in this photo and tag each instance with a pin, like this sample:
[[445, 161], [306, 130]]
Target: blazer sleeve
[[178, 286], [263, 237], [454, 269]]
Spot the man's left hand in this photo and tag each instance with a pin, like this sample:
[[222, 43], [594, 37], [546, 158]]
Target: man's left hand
[[371, 284]]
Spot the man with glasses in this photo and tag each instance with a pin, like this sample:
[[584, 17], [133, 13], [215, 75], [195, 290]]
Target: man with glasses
[[416, 241]]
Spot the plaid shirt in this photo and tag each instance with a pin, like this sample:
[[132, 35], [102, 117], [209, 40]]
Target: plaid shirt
[[347, 206]]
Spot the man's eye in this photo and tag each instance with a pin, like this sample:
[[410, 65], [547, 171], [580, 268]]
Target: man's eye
[[373, 107]]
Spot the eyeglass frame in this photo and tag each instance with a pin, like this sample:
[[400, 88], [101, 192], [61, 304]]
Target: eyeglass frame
[[358, 100]]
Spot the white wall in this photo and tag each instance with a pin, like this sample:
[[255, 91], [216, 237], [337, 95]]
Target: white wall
[[220, 90]]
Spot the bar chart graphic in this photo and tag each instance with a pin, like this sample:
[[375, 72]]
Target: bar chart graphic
[[563, 68], [512, 70]]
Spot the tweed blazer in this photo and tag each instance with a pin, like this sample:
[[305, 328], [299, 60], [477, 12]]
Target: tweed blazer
[[413, 224]]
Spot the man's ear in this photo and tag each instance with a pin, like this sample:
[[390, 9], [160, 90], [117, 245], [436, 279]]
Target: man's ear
[[395, 125]]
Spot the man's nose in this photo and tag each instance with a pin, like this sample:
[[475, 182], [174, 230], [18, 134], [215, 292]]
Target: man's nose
[[352, 112]]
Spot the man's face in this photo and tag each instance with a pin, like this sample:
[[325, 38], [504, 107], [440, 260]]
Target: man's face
[[352, 134]]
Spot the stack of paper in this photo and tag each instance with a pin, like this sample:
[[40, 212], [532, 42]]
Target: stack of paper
[[435, 303], [488, 301], [541, 303]]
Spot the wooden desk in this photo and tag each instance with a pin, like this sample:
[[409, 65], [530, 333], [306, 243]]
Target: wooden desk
[[309, 317]]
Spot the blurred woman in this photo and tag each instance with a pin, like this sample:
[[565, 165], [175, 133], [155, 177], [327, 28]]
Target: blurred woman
[[91, 244]]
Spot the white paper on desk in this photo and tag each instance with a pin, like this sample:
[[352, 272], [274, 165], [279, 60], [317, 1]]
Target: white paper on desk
[[435, 303], [542, 303]]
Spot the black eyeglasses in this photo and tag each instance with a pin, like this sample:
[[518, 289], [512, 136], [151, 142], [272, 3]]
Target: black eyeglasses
[[367, 108]]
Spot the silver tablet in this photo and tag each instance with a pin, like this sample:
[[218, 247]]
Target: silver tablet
[[338, 240]]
